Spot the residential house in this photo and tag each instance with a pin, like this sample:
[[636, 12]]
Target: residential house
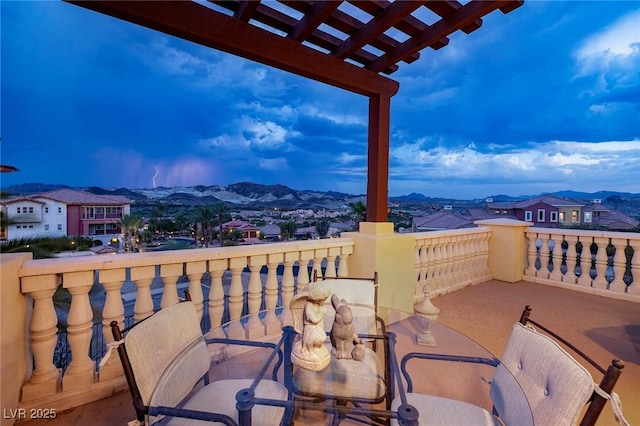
[[65, 212], [248, 230], [548, 211], [271, 232]]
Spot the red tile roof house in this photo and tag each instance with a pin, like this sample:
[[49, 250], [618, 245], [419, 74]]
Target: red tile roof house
[[66, 212], [248, 230]]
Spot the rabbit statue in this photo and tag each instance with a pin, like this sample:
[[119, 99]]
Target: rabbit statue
[[344, 339]]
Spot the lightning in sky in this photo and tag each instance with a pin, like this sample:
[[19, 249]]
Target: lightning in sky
[[153, 179]]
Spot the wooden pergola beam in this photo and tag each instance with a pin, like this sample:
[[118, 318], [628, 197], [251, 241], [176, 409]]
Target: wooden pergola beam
[[191, 21]]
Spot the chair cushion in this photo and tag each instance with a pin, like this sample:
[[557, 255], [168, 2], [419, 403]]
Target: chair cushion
[[360, 296], [436, 411], [556, 386], [344, 379], [220, 397], [172, 335]]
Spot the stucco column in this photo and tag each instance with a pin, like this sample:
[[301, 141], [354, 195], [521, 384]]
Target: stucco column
[[378, 248], [15, 356], [507, 248]]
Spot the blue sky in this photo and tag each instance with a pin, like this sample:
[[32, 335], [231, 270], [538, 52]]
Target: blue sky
[[545, 98]]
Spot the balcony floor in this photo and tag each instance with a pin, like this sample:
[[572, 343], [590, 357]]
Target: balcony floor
[[604, 328]]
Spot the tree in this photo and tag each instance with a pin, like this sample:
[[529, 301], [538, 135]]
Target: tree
[[181, 222], [322, 226], [129, 225], [156, 218], [359, 210], [204, 216], [288, 229], [220, 209]]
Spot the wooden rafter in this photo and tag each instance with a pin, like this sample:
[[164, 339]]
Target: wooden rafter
[[461, 18], [390, 16], [245, 9], [319, 12]]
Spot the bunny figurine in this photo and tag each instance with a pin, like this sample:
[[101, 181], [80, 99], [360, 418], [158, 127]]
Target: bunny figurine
[[344, 339]]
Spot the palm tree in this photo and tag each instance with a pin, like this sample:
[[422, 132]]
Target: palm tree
[[322, 226], [156, 217], [220, 209], [204, 215], [129, 225], [360, 211], [181, 222], [288, 228]]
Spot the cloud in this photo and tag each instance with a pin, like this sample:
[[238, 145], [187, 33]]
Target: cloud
[[538, 162], [622, 38], [273, 164]]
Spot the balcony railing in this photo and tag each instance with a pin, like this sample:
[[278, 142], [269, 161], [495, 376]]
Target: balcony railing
[[246, 279], [591, 261]]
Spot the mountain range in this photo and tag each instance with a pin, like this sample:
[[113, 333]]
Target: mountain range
[[254, 195]]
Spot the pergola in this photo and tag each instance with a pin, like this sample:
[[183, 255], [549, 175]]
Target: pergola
[[349, 45]]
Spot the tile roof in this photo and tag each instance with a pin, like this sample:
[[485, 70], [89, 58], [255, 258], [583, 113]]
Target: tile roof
[[73, 197], [442, 220]]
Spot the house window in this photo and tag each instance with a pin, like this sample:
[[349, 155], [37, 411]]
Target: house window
[[528, 216], [30, 209], [574, 216], [59, 209], [562, 217], [18, 210], [46, 209], [46, 227], [541, 213], [553, 216], [587, 217], [59, 227]]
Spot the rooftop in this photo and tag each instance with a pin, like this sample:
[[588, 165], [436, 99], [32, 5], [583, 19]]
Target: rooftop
[[604, 327]]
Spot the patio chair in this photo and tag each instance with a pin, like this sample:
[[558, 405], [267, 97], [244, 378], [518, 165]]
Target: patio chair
[[537, 382], [165, 357], [347, 381], [361, 294]]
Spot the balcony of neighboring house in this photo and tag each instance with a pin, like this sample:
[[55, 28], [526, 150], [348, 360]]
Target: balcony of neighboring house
[[480, 278]]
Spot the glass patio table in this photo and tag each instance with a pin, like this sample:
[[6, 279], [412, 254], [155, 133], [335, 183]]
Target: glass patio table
[[403, 333]]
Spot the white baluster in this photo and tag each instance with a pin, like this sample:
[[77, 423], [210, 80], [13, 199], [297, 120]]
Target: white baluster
[[303, 277], [556, 255], [532, 253], [254, 326], [332, 254], [194, 272], [601, 263], [634, 287], [619, 265], [216, 294], [585, 262], [46, 379], [236, 292], [570, 276], [271, 322], [170, 274], [142, 277], [343, 266], [112, 281], [81, 371]]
